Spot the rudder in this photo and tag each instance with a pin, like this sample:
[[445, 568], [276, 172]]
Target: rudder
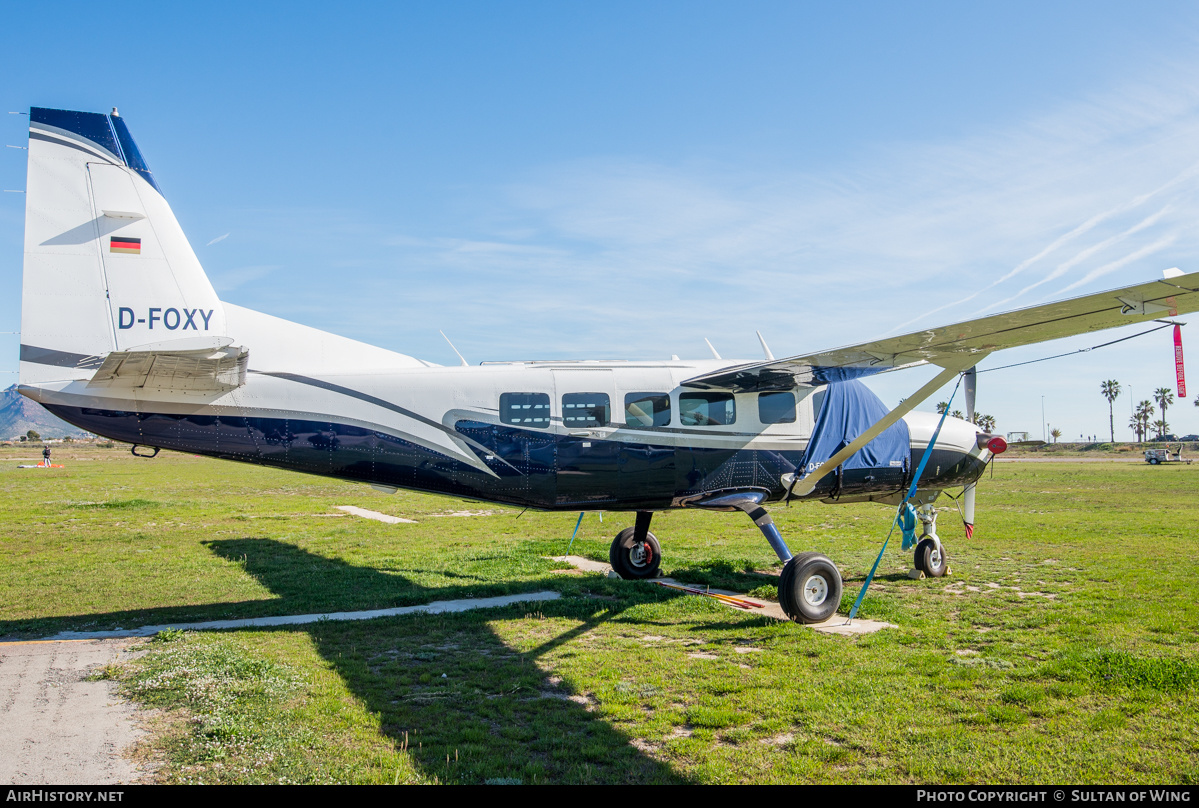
[[107, 266]]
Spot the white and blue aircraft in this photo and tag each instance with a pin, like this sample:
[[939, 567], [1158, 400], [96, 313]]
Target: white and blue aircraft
[[123, 335]]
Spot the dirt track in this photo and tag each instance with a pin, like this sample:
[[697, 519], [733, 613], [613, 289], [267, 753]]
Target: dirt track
[[56, 727]]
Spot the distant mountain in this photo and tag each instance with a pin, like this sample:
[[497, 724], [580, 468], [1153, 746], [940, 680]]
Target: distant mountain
[[18, 415]]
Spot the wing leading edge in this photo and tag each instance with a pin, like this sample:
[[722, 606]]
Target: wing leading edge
[[954, 345]]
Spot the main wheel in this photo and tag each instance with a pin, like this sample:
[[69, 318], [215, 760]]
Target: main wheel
[[633, 560], [1153, 461], [810, 588], [931, 558], [786, 587]]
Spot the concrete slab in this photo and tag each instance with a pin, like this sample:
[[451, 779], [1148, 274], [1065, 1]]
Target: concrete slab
[[59, 726], [837, 624], [585, 564], [378, 517], [436, 607], [843, 626]]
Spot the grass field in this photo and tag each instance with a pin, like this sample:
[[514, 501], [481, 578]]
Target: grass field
[[1063, 648]]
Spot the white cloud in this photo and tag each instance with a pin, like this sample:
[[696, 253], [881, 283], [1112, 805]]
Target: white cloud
[[617, 256]]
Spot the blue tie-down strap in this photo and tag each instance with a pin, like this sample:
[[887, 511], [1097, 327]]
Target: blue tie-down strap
[[905, 515], [905, 520], [572, 535]]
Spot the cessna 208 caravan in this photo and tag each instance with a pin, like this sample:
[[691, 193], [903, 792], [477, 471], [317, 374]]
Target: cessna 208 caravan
[[123, 335]]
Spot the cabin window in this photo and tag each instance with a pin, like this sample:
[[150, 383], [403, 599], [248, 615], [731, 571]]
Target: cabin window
[[586, 409], [707, 409], [525, 409], [647, 409], [776, 408]]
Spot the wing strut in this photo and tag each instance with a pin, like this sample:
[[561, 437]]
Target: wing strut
[[797, 486]]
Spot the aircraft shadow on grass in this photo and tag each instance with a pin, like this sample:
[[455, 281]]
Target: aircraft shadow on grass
[[496, 714]]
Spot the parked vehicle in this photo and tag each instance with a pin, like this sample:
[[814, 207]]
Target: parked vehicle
[[1155, 457]]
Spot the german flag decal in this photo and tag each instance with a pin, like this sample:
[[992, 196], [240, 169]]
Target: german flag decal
[[125, 244]]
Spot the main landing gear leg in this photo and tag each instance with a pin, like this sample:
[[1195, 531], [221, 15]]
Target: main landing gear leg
[[635, 554], [931, 558], [810, 584]]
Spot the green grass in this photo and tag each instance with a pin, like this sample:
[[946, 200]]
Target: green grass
[[1064, 647]]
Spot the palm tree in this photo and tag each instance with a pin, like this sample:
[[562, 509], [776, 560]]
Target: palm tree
[[985, 422], [958, 414], [1162, 427], [942, 406], [1055, 433], [1110, 390], [1137, 426], [1164, 397], [1142, 415]]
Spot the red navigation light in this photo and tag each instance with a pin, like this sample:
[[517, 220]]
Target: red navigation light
[[997, 445]]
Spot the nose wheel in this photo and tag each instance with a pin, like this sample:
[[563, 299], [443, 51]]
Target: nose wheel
[[931, 558]]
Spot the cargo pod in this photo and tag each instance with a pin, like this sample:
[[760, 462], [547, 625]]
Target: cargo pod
[[849, 408]]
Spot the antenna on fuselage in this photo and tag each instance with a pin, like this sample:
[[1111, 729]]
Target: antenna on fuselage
[[765, 347], [460, 356], [713, 350]]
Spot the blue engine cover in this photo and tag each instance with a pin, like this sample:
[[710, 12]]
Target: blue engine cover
[[849, 409]]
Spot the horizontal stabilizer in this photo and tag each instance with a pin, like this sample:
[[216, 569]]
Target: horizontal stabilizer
[[204, 370], [951, 345]]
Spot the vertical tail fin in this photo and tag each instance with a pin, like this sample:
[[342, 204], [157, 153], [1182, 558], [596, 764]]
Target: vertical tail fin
[[107, 267]]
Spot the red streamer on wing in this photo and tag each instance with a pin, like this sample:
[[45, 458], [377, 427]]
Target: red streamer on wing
[[1178, 369]]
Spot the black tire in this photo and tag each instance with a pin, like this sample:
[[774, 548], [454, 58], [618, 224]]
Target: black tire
[[1153, 461], [810, 588], [786, 581], [931, 561], [631, 562]]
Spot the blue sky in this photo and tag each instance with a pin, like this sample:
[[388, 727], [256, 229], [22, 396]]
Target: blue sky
[[555, 180]]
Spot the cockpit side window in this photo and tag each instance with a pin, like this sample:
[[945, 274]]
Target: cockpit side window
[[818, 402], [776, 407], [707, 409]]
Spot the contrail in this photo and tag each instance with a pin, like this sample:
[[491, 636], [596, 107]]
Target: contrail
[[1120, 262], [1070, 263], [1081, 229], [215, 240]]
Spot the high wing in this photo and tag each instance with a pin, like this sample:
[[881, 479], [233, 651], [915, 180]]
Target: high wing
[[953, 346]]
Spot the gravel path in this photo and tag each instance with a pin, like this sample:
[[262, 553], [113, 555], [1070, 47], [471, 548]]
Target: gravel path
[[56, 727]]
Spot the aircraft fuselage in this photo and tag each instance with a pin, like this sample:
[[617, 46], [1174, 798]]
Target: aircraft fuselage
[[552, 435]]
